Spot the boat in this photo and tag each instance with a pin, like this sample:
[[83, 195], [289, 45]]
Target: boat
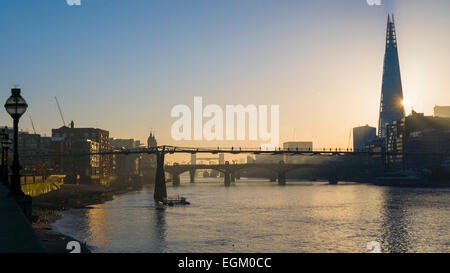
[[178, 201], [172, 202]]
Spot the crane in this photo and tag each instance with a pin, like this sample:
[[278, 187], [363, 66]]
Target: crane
[[32, 125], [60, 112], [349, 139]]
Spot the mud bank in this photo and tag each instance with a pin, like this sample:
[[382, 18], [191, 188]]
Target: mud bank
[[46, 209]]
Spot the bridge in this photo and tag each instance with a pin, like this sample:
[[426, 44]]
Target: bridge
[[229, 170]]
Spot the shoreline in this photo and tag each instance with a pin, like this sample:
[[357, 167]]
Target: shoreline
[[47, 208]]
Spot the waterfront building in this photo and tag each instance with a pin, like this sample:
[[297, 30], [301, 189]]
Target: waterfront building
[[362, 136], [117, 143], [442, 111], [72, 140], [33, 151], [296, 145], [148, 161], [125, 165], [29, 150], [418, 133]]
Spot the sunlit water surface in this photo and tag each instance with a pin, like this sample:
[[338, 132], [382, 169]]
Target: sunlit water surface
[[260, 216]]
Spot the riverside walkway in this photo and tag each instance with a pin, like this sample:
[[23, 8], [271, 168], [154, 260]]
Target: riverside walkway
[[16, 234]]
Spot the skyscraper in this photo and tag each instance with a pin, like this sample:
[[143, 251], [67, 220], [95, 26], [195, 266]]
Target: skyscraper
[[391, 105]]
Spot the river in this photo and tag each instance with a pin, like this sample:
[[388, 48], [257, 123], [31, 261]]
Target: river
[[260, 216]]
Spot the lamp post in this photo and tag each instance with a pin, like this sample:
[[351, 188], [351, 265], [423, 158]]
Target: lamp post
[[16, 107], [6, 143]]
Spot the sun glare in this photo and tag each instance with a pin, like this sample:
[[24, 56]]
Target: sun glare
[[405, 103]]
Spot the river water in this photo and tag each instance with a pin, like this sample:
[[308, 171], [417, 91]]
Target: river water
[[260, 216]]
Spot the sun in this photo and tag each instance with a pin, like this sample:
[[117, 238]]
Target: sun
[[405, 103]]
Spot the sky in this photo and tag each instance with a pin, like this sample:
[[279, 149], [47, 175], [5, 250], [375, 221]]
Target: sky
[[122, 65]]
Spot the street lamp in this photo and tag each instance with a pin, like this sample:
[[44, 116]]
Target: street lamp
[[16, 107]]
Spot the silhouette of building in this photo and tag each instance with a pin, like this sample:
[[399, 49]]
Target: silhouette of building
[[151, 141], [71, 140], [362, 136], [117, 143], [32, 148], [148, 161], [296, 145], [418, 133], [442, 111], [391, 103], [125, 165]]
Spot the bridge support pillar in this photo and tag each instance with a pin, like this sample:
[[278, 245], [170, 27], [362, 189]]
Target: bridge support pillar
[[281, 178], [227, 174], [192, 176], [238, 175], [227, 179], [233, 177], [160, 194], [176, 179], [333, 180], [273, 178], [281, 173]]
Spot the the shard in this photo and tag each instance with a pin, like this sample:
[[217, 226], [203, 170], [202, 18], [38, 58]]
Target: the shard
[[391, 105]]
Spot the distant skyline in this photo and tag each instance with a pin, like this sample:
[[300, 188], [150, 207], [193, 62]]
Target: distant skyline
[[122, 65]]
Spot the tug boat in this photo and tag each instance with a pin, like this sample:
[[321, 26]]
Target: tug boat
[[178, 201], [172, 202]]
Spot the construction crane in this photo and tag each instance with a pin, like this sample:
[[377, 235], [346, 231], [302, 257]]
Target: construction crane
[[349, 139], [32, 125], [60, 112]]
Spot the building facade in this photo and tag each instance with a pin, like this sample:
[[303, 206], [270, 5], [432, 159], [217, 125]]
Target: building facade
[[442, 111], [296, 146], [125, 165], [71, 140], [362, 136], [418, 134]]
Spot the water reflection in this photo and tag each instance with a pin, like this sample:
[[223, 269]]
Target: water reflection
[[415, 220], [394, 234], [159, 225], [259, 216]]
